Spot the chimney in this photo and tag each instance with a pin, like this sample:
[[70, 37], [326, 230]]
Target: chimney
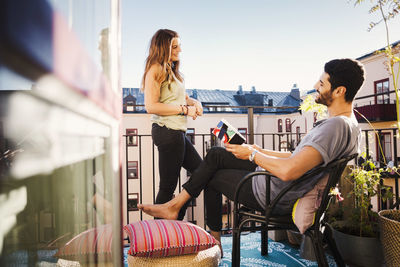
[[240, 91], [194, 94], [295, 92]]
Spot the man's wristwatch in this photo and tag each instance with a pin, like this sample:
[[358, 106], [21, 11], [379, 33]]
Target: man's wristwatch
[[252, 155]]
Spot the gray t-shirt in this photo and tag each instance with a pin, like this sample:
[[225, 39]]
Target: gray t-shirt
[[333, 138]]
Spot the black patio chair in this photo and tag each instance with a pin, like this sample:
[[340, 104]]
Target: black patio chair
[[248, 220]]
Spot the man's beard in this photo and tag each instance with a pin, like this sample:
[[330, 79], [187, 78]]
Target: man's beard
[[324, 99]]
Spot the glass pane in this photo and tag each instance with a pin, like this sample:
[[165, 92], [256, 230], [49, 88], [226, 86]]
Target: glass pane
[[386, 86], [387, 147], [91, 21], [49, 210], [379, 88], [57, 171]]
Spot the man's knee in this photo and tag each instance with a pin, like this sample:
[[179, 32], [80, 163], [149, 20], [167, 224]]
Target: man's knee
[[215, 153]]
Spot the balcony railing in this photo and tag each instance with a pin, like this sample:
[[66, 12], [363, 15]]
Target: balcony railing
[[275, 141]]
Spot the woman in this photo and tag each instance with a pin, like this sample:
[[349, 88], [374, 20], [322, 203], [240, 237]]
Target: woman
[[166, 99]]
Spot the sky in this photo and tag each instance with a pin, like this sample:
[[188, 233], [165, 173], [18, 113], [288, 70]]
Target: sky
[[263, 43]]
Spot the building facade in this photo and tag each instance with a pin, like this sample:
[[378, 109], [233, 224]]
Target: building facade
[[376, 101]]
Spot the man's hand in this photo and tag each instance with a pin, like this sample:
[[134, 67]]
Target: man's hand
[[240, 151], [256, 147]]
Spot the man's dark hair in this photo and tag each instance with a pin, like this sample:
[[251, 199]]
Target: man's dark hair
[[345, 72]]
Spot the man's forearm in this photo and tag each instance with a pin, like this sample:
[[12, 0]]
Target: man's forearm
[[273, 153], [290, 168], [277, 166]]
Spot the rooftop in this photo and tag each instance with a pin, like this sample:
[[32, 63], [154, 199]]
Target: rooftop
[[231, 98]]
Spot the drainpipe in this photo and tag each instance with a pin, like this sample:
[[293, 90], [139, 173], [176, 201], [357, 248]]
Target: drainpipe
[[250, 123]]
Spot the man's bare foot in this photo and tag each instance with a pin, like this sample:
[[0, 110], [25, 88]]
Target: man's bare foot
[[164, 211]]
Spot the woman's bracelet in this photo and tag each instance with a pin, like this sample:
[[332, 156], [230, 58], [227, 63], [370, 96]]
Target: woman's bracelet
[[187, 109], [182, 113]]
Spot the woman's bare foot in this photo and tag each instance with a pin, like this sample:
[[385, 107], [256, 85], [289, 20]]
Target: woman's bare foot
[[164, 211], [168, 210]]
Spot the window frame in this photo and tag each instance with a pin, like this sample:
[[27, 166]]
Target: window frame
[[137, 169], [280, 125], [191, 136], [298, 130], [131, 133], [387, 93], [288, 125], [388, 154], [213, 138], [245, 132], [134, 208]]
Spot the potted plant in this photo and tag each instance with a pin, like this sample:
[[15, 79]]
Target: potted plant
[[355, 224]]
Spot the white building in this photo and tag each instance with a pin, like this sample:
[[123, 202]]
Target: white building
[[376, 100]]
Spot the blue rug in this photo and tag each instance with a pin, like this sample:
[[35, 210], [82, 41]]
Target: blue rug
[[279, 253]]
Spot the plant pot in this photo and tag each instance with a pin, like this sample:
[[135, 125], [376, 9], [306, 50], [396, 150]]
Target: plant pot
[[359, 251], [389, 224]]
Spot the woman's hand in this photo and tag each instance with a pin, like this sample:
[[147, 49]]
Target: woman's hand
[[240, 151], [191, 112], [199, 107]]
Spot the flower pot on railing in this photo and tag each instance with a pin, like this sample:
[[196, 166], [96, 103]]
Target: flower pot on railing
[[389, 223]]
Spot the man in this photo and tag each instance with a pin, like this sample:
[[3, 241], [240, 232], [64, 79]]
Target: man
[[222, 169]]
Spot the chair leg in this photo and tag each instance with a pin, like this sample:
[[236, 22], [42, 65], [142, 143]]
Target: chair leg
[[235, 248], [264, 242], [319, 250], [332, 246]]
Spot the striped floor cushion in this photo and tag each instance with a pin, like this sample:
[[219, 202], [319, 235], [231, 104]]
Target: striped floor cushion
[[161, 238]]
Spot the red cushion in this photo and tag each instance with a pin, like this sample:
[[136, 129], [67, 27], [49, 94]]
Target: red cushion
[[161, 238], [91, 245]]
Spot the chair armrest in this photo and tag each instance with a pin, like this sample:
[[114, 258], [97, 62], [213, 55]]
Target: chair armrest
[[241, 183]]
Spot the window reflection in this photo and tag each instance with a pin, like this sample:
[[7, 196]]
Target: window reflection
[[57, 179], [90, 20], [45, 212]]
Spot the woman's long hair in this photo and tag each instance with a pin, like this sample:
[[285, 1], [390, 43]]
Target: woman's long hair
[[160, 53]]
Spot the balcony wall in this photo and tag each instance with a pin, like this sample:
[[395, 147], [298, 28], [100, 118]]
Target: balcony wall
[[377, 112]]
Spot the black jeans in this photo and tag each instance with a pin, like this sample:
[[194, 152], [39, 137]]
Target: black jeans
[[218, 174], [174, 151]]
